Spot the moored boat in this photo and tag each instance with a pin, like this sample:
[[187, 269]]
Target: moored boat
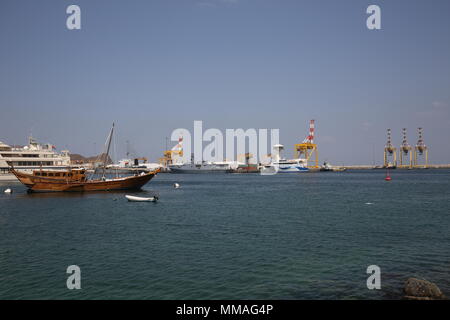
[[245, 168], [205, 167], [281, 165], [328, 167], [76, 179], [141, 199], [31, 157]]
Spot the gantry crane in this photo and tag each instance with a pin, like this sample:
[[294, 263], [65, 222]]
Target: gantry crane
[[390, 152], [405, 150], [420, 150], [308, 148], [169, 155]]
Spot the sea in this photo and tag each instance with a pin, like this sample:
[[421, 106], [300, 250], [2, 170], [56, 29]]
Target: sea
[[231, 236]]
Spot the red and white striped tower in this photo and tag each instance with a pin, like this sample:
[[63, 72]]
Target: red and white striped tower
[[308, 148], [310, 137]]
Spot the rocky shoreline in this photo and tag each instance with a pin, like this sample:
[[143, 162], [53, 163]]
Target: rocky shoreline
[[418, 289]]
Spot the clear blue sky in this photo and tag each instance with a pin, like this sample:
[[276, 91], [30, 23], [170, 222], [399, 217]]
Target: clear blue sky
[[153, 66]]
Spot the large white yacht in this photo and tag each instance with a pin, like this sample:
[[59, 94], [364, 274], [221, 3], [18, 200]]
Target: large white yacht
[[281, 165], [31, 157], [179, 165], [204, 167]]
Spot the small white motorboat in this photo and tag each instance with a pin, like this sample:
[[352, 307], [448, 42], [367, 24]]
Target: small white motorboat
[[176, 185], [141, 199], [9, 190]]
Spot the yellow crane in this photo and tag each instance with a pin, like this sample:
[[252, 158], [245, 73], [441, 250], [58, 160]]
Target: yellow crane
[[390, 152], [405, 150], [420, 150], [308, 149], [169, 154]]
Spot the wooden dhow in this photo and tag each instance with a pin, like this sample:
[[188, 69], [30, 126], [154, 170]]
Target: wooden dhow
[[77, 180]]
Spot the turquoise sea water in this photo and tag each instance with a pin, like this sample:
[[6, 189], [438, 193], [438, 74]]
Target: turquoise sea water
[[300, 236]]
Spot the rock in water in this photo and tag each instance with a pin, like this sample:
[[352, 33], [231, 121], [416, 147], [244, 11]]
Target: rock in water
[[418, 289]]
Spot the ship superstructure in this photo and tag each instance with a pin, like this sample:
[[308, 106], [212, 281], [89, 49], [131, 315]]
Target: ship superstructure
[[31, 157]]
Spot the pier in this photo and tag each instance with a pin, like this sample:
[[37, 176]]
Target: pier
[[368, 167]]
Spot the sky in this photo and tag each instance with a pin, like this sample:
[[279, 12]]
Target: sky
[[155, 66]]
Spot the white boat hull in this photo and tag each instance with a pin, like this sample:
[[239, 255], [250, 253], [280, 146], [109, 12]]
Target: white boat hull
[[291, 169], [8, 177], [199, 168], [141, 199], [274, 169]]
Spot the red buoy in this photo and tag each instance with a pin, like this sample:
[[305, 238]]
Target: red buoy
[[388, 176]]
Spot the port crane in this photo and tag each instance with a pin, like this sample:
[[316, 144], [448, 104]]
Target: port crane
[[405, 150], [390, 152], [420, 150], [307, 149], [170, 155]]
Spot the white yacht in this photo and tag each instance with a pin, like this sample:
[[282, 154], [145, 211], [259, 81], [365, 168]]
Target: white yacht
[[179, 165], [205, 167], [281, 165], [31, 157], [135, 164]]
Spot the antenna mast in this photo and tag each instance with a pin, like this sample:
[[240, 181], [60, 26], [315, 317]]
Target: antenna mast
[[107, 150]]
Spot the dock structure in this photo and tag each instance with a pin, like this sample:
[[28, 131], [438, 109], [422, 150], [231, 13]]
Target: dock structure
[[308, 149], [420, 151], [390, 152], [171, 156]]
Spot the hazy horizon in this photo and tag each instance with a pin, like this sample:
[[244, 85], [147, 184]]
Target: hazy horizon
[[152, 67]]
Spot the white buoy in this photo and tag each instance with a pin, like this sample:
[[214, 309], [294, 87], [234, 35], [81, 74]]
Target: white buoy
[[176, 185], [8, 190]]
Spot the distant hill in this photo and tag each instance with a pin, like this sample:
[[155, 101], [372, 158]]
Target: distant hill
[[74, 157]]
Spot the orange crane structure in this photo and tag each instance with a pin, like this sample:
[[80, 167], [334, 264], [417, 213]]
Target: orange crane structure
[[308, 149], [169, 154]]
